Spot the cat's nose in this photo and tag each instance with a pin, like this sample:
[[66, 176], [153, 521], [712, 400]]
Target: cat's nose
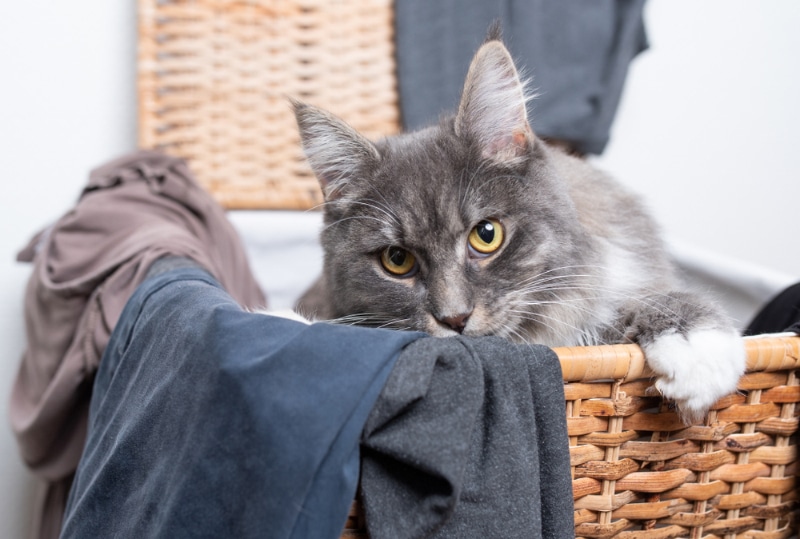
[[456, 322]]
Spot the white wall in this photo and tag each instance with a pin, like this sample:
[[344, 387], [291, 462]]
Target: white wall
[[706, 131], [708, 126], [67, 103]]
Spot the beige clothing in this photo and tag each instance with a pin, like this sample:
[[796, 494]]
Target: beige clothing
[[133, 211]]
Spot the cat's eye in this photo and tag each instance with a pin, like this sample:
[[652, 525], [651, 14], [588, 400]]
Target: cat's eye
[[399, 262], [486, 237]]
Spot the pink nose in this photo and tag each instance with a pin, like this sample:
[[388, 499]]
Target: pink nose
[[456, 322]]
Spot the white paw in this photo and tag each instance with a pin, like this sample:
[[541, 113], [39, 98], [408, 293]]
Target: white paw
[[697, 370]]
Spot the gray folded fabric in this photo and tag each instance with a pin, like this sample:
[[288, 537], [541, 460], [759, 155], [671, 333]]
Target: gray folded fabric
[[577, 53], [468, 439]]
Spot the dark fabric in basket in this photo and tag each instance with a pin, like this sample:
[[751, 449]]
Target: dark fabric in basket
[[132, 211], [781, 313], [210, 421], [577, 54], [468, 439]]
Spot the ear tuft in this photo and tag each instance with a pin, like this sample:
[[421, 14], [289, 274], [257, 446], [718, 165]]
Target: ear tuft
[[492, 111], [336, 152], [495, 31]]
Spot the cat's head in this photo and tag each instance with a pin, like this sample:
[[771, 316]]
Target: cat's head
[[448, 229]]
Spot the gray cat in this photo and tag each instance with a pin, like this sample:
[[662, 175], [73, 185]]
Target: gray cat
[[477, 227]]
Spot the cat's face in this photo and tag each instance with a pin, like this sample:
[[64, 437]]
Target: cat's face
[[463, 227]]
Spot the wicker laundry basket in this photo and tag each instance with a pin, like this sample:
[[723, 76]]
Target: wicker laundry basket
[[213, 80], [214, 77], [638, 472]]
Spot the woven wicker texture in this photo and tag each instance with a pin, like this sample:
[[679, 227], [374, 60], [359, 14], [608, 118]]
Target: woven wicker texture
[[638, 472], [214, 77]]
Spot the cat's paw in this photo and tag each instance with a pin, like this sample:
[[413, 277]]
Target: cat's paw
[[696, 369]]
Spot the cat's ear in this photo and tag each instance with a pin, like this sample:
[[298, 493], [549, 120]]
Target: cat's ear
[[336, 152], [492, 110]]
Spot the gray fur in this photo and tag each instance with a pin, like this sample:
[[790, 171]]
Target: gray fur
[[581, 262]]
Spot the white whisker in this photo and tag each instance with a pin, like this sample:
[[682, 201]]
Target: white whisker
[[375, 320]]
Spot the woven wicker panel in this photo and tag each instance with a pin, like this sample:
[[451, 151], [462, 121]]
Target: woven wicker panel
[[638, 472], [214, 76]]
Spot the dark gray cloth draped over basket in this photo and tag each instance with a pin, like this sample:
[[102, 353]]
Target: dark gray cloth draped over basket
[[468, 440]]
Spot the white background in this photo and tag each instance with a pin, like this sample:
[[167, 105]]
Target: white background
[[708, 126], [706, 132]]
